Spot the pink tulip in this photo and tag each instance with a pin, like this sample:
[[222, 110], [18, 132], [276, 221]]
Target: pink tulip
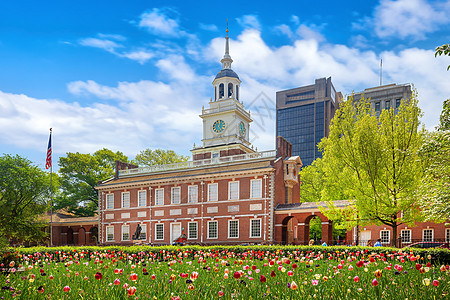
[[356, 279], [375, 282]]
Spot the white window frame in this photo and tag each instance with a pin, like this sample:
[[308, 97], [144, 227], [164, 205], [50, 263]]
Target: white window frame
[[193, 194], [159, 196], [251, 228], [401, 236], [389, 236], [156, 231], [143, 232], [255, 194], [213, 197], [107, 233], [144, 200], [235, 195], [175, 191], [229, 229], [189, 231], [211, 237], [432, 234], [110, 201], [123, 199], [447, 235], [123, 232]]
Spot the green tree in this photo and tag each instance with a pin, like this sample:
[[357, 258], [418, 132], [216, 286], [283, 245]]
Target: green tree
[[435, 155], [150, 157], [24, 195], [79, 174], [443, 50], [375, 158]]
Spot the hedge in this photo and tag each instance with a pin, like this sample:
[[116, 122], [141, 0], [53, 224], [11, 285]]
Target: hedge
[[438, 255]]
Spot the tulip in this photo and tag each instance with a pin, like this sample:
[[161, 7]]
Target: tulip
[[131, 291], [418, 266], [194, 276], [153, 277], [374, 282], [272, 274], [133, 276], [191, 287], [378, 273], [294, 285], [66, 289], [315, 282], [426, 281], [262, 279], [117, 281], [290, 273], [220, 293], [237, 275], [435, 282], [98, 275], [356, 279]]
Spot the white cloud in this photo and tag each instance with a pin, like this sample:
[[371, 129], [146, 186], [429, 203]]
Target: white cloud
[[140, 56], [409, 18], [249, 21], [208, 27], [104, 44], [116, 37], [295, 19], [157, 22], [310, 32], [285, 30]]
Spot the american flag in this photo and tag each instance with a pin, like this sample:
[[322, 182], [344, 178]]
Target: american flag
[[48, 162]]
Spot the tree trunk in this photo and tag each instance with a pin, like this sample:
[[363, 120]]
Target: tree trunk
[[394, 235]]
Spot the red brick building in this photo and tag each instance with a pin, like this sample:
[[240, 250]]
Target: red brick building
[[227, 194]]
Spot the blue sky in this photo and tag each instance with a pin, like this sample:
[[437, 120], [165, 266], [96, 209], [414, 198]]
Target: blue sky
[[134, 75]]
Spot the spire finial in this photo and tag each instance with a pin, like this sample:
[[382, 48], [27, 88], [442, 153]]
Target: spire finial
[[227, 28], [226, 60]]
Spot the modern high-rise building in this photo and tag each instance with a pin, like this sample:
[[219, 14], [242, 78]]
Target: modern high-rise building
[[385, 96], [304, 115]]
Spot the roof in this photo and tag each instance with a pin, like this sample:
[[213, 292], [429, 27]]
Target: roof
[[227, 73], [309, 205], [63, 217]]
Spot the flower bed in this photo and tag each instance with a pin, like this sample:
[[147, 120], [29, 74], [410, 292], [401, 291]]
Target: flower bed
[[224, 272]]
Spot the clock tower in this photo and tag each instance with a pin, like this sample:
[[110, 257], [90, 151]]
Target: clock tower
[[226, 123]]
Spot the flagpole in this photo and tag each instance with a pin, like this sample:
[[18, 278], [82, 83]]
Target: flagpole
[[51, 198]]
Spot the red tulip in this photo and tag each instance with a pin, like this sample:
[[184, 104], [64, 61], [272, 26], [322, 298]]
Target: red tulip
[[356, 279], [117, 281], [98, 275], [272, 274], [418, 266], [133, 276], [435, 282], [262, 279], [237, 275], [66, 289], [131, 291]]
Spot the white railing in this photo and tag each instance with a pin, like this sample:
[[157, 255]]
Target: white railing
[[199, 163], [222, 108]]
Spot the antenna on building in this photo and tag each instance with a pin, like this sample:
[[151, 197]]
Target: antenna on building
[[381, 71]]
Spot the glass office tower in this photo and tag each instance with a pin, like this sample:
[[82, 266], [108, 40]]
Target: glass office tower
[[304, 115]]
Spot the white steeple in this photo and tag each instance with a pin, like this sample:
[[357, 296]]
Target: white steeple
[[226, 60]]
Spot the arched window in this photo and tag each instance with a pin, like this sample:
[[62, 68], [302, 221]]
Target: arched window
[[215, 93], [237, 92], [221, 90], [230, 90]]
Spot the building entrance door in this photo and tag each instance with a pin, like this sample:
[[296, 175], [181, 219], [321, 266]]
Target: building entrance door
[[175, 231]]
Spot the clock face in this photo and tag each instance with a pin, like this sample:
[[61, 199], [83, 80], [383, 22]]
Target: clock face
[[218, 126], [242, 128]]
